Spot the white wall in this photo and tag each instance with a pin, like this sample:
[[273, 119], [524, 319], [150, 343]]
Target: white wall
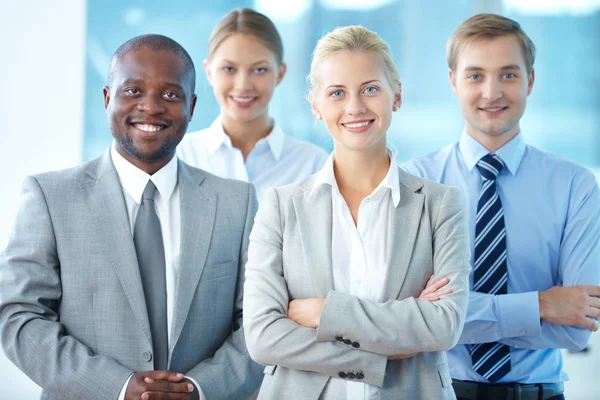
[[41, 112]]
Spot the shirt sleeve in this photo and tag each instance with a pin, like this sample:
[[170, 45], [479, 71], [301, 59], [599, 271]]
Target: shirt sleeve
[[124, 389], [202, 397], [491, 318], [578, 264]]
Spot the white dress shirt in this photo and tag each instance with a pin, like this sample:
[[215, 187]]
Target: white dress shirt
[[167, 206], [360, 254], [276, 160]]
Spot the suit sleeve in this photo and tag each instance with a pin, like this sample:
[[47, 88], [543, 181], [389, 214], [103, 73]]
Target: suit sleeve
[[30, 292], [273, 338], [409, 325], [577, 265], [231, 373]]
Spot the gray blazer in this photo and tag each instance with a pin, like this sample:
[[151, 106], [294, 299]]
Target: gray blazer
[[72, 310], [290, 258]]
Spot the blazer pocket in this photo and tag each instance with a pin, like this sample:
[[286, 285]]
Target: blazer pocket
[[444, 374], [270, 369]]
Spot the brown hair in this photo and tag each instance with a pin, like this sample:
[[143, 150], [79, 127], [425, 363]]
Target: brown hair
[[249, 22], [488, 26]]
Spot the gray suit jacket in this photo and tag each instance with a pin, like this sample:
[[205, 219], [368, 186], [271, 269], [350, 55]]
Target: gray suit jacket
[[290, 258], [72, 308]]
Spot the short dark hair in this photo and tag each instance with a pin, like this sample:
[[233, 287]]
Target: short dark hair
[[155, 43]]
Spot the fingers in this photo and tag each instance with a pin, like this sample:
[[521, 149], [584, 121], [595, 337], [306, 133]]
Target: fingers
[[590, 324], [429, 281], [165, 396], [593, 290], [435, 286], [169, 387], [168, 376]]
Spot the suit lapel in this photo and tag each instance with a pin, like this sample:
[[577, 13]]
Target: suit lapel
[[104, 196], [198, 211], [314, 221], [404, 229]]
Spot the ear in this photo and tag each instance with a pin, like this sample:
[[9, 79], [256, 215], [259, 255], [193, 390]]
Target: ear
[[281, 74], [531, 79], [207, 71], [193, 106], [315, 110], [106, 93], [452, 80], [397, 97]]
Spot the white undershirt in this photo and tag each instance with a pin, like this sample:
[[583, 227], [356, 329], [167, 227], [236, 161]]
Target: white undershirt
[[360, 255], [167, 206]]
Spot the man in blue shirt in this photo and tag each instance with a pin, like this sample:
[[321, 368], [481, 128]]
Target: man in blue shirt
[[534, 225]]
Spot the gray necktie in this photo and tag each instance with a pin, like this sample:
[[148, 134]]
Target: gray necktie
[[147, 238]]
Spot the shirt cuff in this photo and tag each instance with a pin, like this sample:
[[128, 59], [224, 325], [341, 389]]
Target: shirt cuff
[[519, 314], [124, 389], [202, 397]]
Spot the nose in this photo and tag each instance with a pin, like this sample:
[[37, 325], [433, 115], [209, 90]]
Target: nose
[[492, 90], [151, 104], [242, 81], [355, 105]]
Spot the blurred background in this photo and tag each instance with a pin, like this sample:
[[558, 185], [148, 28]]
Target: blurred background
[[55, 57]]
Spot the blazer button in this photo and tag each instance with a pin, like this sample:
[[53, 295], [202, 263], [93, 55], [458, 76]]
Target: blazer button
[[355, 345], [339, 338], [360, 375], [147, 356], [351, 375], [342, 375], [347, 341]]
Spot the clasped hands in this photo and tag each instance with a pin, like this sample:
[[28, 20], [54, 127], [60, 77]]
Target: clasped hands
[[307, 312], [160, 385]]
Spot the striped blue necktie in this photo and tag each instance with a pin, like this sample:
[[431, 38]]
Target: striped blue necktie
[[490, 275]]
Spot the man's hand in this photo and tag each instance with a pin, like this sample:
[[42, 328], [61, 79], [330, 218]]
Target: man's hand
[[433, 290], [571, 306], [163, 385], [306, 312]]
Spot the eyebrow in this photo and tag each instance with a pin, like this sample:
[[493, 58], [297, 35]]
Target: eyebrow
[[362, 84], [225, 61], [510, 67], [133, 81]]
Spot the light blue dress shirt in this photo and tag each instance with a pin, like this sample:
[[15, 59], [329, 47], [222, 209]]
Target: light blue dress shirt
[[552, 216]]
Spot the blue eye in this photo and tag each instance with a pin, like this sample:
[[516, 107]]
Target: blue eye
[[371, 90], [336, 93], [261, 70], [227, 69], [475, 77], [509, 75]]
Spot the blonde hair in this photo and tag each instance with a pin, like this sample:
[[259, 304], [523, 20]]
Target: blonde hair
[[488, 26], [353, 38], [249, 22]]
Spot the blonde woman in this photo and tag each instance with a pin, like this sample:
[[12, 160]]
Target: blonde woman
[[244, 65], [334, 298]]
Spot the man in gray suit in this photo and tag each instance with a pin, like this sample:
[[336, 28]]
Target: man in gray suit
[[133, 261]]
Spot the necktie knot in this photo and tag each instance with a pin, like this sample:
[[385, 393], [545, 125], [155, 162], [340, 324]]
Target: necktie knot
[[490, 166], [149, 191]]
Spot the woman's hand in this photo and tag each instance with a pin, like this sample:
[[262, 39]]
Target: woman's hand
[[306, 312], [433, 290]]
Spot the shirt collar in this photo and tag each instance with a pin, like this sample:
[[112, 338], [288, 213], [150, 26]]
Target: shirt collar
[[217, 138], [511, 153], [391, 181], [134, 180]]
